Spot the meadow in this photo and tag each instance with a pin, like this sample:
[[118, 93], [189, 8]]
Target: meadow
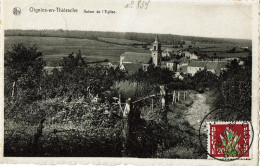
[[120, 41], [55, 48]]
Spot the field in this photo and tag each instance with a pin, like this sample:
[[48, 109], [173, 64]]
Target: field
[[102, 48], [55, 48], [120, 41], [228, 55]]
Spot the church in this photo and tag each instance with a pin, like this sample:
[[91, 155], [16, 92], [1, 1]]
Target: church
[[131, 62]]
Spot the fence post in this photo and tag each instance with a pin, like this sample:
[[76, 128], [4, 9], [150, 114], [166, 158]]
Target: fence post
[[173, 97], [119, 98], [13, 89], [163, 94], [178, 96], [126, 125], [152, 105]]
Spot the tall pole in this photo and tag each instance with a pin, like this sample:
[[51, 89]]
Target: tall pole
[[126, 126], [152, 104], [163, 95]]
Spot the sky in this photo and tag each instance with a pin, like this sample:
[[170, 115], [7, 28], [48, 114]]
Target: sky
[[229, 20]]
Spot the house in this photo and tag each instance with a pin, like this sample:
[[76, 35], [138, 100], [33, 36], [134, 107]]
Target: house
[[131, 62], [182, 68], [181, 64], [190, 55], [214, 66], [179, 76], [167, 53], [172, 65]]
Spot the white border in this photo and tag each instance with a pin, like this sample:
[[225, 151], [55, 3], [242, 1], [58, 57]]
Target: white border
[[161, 162]]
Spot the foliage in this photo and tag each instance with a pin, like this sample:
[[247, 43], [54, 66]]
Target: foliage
[[154, 76], [204, 79], [132, 89], [68, 125], [235, 86], [20, 59], [186, 83], [76, 125], [24, 67], [76, 79], [71, 62]]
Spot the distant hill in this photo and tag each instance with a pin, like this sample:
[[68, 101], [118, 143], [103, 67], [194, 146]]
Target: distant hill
[[166, 39]]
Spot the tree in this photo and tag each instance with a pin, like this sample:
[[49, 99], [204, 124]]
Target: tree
[[23, 62], [204, 79], [71, 62], [236, 85], [154, 76]]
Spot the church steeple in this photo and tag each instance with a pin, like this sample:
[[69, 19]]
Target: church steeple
[[156, 39], [156, 51]]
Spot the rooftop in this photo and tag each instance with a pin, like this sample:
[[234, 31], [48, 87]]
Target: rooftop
[[210, 65], [135, 57], [132, 68]]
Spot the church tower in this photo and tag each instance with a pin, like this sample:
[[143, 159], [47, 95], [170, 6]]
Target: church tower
[[156, 52]]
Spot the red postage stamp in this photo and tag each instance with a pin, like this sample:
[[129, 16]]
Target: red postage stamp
[[227, 140]]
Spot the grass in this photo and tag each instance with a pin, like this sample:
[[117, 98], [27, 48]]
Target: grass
[[185, 138], [75, 135], [120, 41], [229, 55], [55, 48], [131, 89]]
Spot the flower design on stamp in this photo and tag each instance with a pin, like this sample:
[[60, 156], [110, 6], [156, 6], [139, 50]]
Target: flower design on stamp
[[229, 144]]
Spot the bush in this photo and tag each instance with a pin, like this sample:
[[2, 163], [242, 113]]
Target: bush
[[132, 89]]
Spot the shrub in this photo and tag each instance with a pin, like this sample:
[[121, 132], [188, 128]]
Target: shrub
[[132, 89]]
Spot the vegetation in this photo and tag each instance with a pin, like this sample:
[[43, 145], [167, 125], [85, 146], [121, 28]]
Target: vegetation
[[142, 37], [120, 41], [23, 67], [56, 48], [132, 89], [71, 112], [235, 87]]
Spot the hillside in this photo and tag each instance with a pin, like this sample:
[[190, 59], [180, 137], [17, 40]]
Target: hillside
[[55, 48], [141, 37]]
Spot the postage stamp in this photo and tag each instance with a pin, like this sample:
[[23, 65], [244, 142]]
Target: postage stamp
[[227, 140]]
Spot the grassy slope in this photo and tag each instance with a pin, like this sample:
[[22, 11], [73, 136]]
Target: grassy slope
[[120, 41], [142, 37], [55, 48]]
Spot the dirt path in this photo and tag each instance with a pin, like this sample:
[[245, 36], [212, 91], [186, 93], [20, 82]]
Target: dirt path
[[198, 110]]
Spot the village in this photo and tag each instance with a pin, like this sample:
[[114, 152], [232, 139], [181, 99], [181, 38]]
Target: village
[[181, 62]]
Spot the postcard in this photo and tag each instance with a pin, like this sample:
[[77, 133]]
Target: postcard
[[132, 82]]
